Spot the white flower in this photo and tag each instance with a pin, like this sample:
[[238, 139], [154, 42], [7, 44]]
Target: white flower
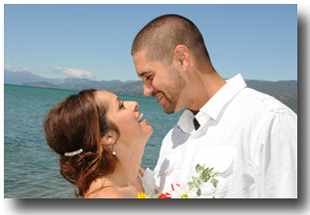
[[148, 181], [207, 190], [183, 191]]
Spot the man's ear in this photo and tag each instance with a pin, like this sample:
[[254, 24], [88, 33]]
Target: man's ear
[[109, 138], [182, 56]]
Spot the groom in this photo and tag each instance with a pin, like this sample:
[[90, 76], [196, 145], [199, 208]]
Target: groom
[[249, 138]]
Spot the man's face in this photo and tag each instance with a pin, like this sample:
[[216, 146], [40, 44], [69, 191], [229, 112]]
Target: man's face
[[162, 82]]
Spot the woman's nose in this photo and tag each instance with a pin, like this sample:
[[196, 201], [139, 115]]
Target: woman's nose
[[133, 105]]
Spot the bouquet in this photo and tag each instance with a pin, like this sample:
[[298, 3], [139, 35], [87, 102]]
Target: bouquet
[[191, 189]]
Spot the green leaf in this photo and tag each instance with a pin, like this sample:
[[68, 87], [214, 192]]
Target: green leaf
[[206, 174], [199, 168], [198, 183], [191, 185], [194, 179], [214, 182], [198, 192]]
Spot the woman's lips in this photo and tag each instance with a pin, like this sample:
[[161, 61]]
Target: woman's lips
[[140, 116], [144, 121]]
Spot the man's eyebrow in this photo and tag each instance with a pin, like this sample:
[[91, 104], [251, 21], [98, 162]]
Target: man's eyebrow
[[143, 73]]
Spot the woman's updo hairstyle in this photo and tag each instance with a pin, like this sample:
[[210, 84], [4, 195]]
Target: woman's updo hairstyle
[[79, 122]]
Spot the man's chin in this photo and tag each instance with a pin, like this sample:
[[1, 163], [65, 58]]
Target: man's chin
[[169, 110]]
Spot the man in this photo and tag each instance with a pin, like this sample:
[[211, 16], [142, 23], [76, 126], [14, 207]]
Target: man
[[249, 138]]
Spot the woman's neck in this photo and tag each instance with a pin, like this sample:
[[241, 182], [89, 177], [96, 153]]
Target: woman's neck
[[127, 167], [124, 180]]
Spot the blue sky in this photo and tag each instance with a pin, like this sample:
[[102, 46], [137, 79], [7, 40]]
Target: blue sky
[[94, 41]]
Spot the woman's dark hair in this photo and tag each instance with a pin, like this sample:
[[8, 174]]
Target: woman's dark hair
[[79, 122]]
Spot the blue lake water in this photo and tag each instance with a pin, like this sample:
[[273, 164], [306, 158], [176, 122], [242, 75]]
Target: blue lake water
[[30, 167]]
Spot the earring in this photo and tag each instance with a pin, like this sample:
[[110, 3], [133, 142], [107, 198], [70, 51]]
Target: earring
[[184, 68], [113, 149]]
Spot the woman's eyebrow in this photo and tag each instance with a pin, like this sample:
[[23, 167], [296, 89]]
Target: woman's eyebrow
[[117, 100]]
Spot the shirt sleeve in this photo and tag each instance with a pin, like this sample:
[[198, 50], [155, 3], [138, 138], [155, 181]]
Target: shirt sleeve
[[277, 155]]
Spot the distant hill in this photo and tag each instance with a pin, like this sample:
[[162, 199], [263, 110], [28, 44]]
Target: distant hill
[[285, 91], [18, 78], [133, 88]]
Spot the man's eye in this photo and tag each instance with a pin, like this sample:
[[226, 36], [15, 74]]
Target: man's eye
[[149, 77]]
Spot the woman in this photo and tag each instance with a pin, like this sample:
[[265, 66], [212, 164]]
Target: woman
[[100, 140]]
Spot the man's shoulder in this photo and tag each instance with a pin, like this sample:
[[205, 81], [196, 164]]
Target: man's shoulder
[[259, 102]]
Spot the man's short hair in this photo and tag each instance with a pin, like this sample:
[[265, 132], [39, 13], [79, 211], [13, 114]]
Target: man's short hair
[[160, 37]]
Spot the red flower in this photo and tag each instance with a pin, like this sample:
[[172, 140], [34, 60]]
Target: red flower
[[173, 187], [165, 196]]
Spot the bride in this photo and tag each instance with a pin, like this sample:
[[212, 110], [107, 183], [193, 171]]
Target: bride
[[100, 140]]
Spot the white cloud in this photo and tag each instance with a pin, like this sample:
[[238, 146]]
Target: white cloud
[[25, 69], [8, 66], [73, 72]]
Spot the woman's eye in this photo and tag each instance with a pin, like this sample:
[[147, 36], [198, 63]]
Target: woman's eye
[[121, 105]]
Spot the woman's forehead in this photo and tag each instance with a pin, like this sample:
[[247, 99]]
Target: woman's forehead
[[105, 97]]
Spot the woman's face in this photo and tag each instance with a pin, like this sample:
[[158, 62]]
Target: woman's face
[[127, 118]]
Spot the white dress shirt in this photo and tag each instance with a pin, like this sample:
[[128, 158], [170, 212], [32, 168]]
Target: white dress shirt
[[248, 137]]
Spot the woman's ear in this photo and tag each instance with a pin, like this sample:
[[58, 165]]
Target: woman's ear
[[109, 138]]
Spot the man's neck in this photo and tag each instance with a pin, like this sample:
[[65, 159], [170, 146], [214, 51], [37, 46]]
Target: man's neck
[[204, 87]]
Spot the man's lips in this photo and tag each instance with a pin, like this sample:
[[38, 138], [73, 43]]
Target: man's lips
[[159, 97]]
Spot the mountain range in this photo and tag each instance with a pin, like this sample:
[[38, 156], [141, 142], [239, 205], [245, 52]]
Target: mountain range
[[285, 91]]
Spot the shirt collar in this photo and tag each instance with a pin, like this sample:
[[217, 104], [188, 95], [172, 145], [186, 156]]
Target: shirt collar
[[213, 108]]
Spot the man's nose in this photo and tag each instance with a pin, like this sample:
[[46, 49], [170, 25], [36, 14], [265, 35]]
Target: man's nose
[[147, 90]]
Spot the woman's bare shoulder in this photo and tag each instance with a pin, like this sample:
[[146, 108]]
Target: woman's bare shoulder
[[106, 192], [103, 188]]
